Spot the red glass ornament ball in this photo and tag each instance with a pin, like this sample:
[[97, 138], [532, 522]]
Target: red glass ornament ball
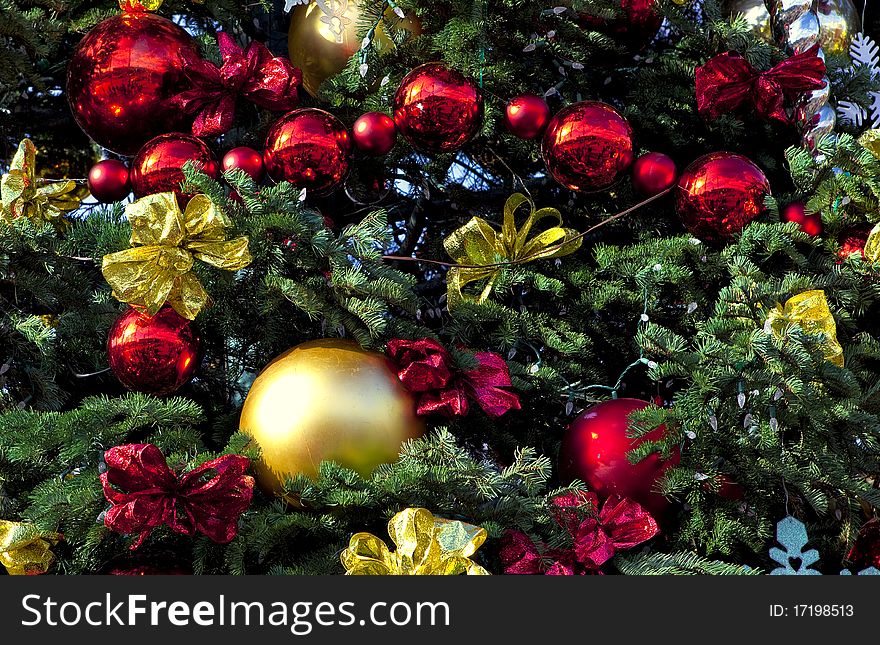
[[437, 109], [587, 146], [594, 450], [109, 181], [853, 240], [796, 212], [526, 116], [718, 194], [374, 134], [652, 173], [637, 26], [121, 76], [246, 159], [158, 166], [155, 355], [310, 149]]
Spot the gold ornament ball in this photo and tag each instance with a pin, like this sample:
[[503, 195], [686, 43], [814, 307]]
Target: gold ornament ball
[[321, 44], [838, 21], [327, 400]]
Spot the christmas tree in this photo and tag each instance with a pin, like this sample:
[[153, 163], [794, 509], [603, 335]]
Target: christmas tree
[[438, 286]]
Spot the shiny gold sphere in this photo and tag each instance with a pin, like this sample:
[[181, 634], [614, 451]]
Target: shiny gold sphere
[[838, 21], [327, 400], [320, 44]]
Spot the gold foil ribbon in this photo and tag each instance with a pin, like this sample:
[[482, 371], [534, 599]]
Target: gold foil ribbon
[[135, 6], [24, 550], [158, 269], [872, 245], [809, 311], [482, 250], [426, 546], [39, 200], [870, 140]]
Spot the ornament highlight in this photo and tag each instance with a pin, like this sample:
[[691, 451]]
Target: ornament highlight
[[526, 116], [810, 312], [374, 134], [652, 173], [437, 109], [23, 194], [719, 194], [327, 400], [25, 550], [109, 181], [158, 166], [796, 212], [587, 146], [246, 159]]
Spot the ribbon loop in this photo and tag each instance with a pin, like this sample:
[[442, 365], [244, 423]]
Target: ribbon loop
[[24, 549], [23, 194], [809, 311]]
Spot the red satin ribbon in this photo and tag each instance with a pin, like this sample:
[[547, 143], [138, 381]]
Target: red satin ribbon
[[426, 368], [253, 73], [728, 81], [145, 494]]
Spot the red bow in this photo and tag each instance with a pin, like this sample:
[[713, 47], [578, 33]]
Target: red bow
[[727, 81], [425, 367], [208, 499], [621, 524], [254, 73]]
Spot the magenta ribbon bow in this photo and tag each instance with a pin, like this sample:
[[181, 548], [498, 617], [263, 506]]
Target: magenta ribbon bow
[[145, 493], [596, 537], [426, 368], [727, 81], [270, 82]]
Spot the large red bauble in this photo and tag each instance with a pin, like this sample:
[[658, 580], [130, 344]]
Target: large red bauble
[[587, 146], [635, 29], [158, 166], [246, 159], [122, 74], [108, 181], [374, 133], [718, 194], [853, 240], [652, 173], [797, 212], [155, 355], [310, 149], [594, 450], [526, 116], [437, 109]]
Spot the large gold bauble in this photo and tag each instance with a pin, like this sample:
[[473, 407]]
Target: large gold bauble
[[320, 44], [327, 400], [838, 21]]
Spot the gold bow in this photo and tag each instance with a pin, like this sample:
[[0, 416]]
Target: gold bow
[[23, 194], [24, 550], [158, 268], [870, 140], [482, 249], [426, 546], [872, 245], [808, 310]]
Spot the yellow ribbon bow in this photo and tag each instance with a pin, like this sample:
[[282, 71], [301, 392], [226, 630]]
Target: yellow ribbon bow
[[24, 550], [808, 310], [23, 194], [870, 140], [158, 268], [872, 245], [426, 546], [481, 249]]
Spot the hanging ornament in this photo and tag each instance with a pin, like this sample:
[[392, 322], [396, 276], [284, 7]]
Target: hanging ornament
[[426, 546], [808, 311], [310, 149], [526, 116], [594, 450], [323, 36], [437, 109], [122, 75], [153, 354], [718, 194], [652, 173], [327, 400], [636, 28], [864, 52], [587, 146], [853, 240], [865, 551], [158, 166], [246, 159], [796, 212], [24, 549], [374, 134], [795, 559], [25, 195], [109, 181]]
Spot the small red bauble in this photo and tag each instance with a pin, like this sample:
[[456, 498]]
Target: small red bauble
[[718, 194], [652, 173], [108, 181], [310, 149], [796, 212], [853, 240], [121, 75], [155, 355], [246, 159], [374, 134], [587, 146], [636, 28], [158, 167], [594, 450], [526, 116], [437, 109]]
